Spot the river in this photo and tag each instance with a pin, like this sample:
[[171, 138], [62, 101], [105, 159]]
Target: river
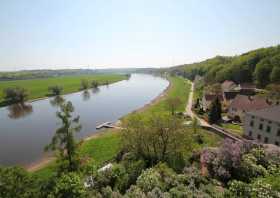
[[25, 130]]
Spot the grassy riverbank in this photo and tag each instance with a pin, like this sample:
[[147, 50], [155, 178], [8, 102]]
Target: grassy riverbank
[[104, 146], [38, 88]]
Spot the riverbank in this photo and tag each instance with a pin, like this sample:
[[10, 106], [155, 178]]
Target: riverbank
[[38, 88], [48, 159]]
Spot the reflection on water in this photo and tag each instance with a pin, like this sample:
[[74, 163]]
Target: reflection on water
[[95, 90], [86, 95], [57, 101], [19, 110]]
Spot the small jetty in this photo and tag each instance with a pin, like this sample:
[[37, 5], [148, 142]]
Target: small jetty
[[107, 125]]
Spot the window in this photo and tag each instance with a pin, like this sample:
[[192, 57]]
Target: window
[[277, 143], [269, 122], [262, 119], [278, 132], [250, 133], [266, 140], [253, 117], [259, 137], [261, 126], [268, 128], [252, 123]]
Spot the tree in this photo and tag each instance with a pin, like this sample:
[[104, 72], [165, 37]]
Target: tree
[[215, 113], [15, 95], [94, 84], [16, 182], [156, 138], [55, 90], [84, 84], [68, 185], [275, 74], [64, 141], [262, 72], [273, 92], [173, 104]]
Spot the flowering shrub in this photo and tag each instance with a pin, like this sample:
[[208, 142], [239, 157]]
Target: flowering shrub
[[148, 180]]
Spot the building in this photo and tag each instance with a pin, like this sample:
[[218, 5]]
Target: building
[[242, 104], [263, 125], [228, 91], [207, 100], [228, 85]]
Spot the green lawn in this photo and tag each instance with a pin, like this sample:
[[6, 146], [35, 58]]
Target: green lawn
[[179, 88], [38, 88], [101, 149], [234, 128]]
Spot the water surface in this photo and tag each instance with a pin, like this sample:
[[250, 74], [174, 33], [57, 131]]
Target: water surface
[[25, 130]]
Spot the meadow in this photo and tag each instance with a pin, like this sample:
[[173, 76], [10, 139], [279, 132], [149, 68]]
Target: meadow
[[38, 88]]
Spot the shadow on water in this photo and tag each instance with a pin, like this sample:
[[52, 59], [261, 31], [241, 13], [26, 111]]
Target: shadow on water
[[57, 101], [19, 110]]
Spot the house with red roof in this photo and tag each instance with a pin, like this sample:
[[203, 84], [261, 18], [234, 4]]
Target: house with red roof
[[242, 104]]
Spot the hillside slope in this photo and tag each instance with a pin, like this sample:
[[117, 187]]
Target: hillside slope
[[261, 66]]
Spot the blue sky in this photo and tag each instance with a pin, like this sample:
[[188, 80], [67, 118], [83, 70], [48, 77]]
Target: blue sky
[[57, 34]]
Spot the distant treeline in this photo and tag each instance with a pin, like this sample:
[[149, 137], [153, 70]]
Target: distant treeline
[[36, 74], [261, 66]]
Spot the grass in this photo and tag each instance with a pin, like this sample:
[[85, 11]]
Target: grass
[[101, 148], [179, 88], [38, 88], [234, 128], [106, 145]]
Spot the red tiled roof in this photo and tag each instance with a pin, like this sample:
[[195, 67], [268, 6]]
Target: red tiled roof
[[248, 103], [228, 84], [211, 97]]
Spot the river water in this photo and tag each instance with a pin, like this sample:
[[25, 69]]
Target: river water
[[25, 130]]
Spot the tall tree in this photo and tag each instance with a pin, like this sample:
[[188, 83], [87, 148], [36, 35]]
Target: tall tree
[[15, 95], [215, 113], [55, 90], [173, 104], [64, 139]]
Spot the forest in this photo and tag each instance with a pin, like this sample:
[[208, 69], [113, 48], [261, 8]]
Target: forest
[[261, 66]]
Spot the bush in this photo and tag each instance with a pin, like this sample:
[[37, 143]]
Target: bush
[[148, 180]]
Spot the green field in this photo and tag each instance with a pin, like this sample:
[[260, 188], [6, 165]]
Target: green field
[[38, 88]]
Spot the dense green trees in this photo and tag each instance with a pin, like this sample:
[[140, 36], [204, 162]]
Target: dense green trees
[[260, 66], [64, 139], [16, 182]]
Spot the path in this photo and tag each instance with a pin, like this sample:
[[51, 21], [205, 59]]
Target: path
[[203, 123]]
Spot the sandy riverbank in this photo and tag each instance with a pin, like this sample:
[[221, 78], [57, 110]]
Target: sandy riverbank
[[48, 159]]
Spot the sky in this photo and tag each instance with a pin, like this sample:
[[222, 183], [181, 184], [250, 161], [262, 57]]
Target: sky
[[55, 34]]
